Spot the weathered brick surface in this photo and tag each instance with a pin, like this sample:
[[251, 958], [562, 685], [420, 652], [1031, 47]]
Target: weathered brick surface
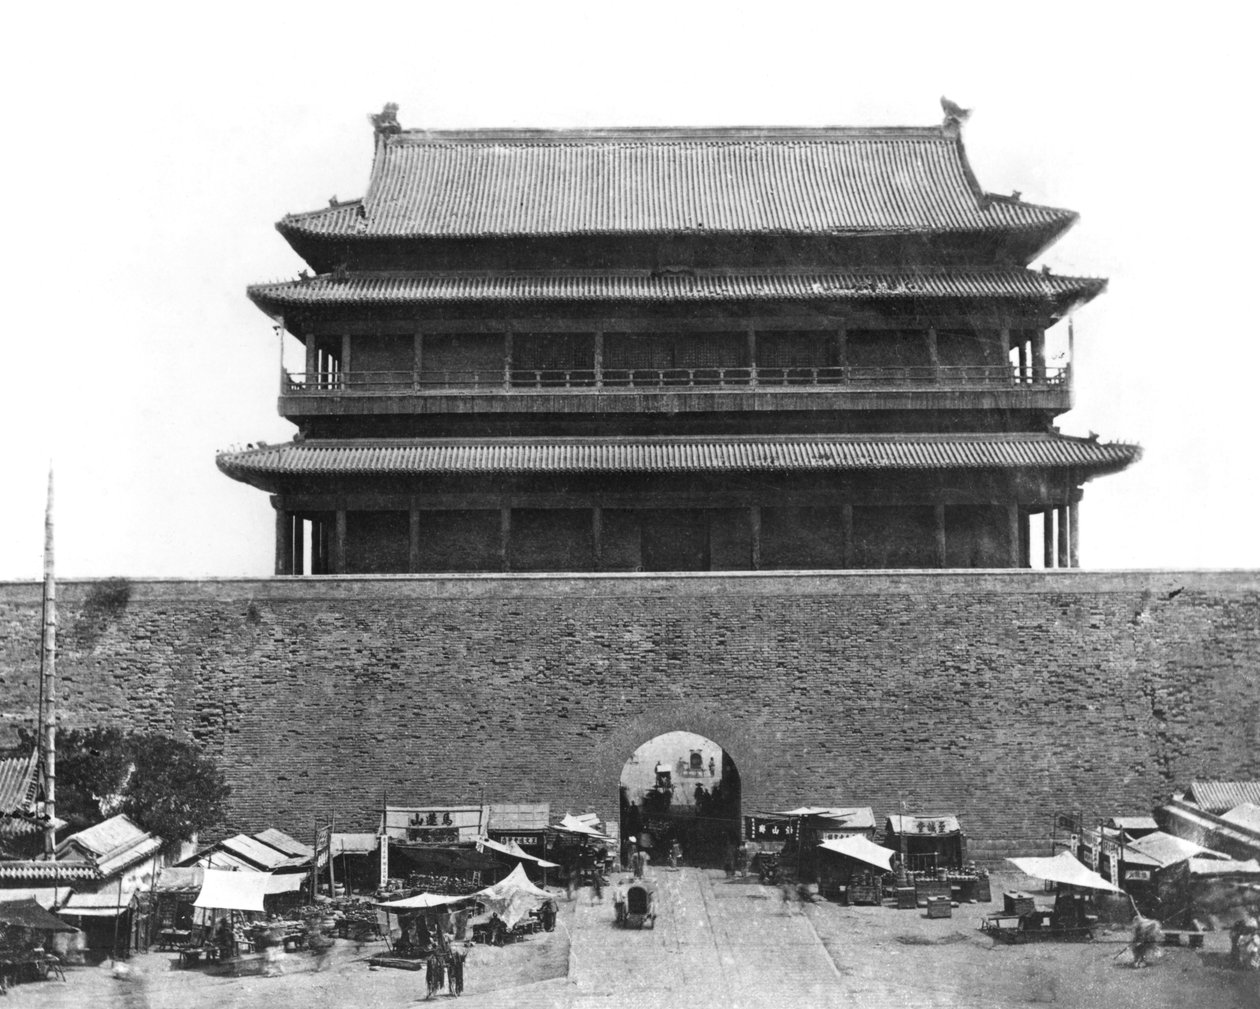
[[999, 695]]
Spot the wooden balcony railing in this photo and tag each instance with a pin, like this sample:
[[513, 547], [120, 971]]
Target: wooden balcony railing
[[524, 380]]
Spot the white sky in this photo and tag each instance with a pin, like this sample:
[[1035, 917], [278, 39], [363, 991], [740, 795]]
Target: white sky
[[152, 148]]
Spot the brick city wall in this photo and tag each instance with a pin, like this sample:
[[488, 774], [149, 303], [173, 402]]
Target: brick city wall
[[1001, 696]]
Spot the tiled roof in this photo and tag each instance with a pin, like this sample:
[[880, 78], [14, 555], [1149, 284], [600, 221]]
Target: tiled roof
[[106, 836], [129, 854], [1221, 796], [48, 870], [17, 774], [851, 285], [837, 453], [253, 850], [282, 842], [774, 181], [1245, 814], [1167, 849]]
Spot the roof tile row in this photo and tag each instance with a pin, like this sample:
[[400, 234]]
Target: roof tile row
[[856, 285], [680, 455], [810, 182]]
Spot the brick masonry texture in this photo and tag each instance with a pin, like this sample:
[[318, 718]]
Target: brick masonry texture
[[1001, 696]]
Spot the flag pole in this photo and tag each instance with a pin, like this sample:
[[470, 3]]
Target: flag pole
[[48, 684]]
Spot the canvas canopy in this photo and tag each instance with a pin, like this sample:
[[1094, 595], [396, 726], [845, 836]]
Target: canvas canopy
[[233, 891], [582, 826], [1063, 868], [29, 914], [512, 896], [861, 849], [516, 851], [419, 902]]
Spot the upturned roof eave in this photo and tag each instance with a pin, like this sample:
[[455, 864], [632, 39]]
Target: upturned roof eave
[[278, 297]]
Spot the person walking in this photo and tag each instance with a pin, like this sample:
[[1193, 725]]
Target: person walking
[[675, 854], [455, 973], [434, 973]]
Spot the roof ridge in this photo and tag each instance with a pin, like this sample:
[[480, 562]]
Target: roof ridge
[[664, 134]]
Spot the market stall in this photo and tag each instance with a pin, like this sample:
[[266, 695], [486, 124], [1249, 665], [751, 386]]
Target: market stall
[[512, 900], [26, 932], [1070, 918], [418, 926], [853, 869]]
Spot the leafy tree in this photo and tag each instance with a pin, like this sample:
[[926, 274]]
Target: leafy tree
[[165, 785]]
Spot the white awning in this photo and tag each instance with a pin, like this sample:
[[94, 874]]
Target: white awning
[[420, 901], [1063, 868], [235, 891], [863, 850], [516, 851]]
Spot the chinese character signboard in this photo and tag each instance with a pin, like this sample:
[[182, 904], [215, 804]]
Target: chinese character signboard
[[767, 828], [323, 844]]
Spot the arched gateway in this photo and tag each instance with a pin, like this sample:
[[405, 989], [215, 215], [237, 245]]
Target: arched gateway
[[680, 787]]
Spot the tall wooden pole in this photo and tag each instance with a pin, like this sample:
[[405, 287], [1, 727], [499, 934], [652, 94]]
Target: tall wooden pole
[[48, 683]]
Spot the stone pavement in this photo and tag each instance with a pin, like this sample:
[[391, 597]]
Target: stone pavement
[[717, 942]]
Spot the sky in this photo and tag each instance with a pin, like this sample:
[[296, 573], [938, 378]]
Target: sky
[[151, 149]]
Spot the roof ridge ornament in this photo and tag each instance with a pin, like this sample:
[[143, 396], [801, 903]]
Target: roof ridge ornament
[[385, 122], [955, 115]]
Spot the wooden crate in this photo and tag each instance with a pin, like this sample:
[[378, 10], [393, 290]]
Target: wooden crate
[[905, 898], [940, 907], [1018, 903]]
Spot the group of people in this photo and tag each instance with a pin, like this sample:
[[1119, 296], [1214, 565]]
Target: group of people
[[444, 970]]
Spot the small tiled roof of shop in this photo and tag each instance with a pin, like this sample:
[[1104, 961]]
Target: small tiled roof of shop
[[41, 869], [116, 832], [1221, 796], [17, 775], [817, 453], [259, 852], [682, 288], [1245, 814], [785, 180], [282, 842]]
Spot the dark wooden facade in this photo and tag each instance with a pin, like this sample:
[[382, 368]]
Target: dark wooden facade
[[530, 352]]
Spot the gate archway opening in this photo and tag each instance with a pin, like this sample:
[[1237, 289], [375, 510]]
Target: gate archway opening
[[680, 786]]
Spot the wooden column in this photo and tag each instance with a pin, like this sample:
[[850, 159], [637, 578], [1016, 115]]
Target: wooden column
[[846, 531], [1017, 529], [299, 545], [1039, 355], [339, 544], [934, 357], [1065, 536], [840, 352], [345, 353], [413, 539], [507, 361], [312, 362], [417, 360], [599, 361], [1025, 538], [754, 529], [284, 542], [1047, 538], [597, 536], [940, 535], [1074, 549], [1023, 361], [318, 555], [505, 539], [752, 356]]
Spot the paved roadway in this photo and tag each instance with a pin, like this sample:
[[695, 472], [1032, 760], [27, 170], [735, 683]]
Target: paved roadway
[[734, 944]]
